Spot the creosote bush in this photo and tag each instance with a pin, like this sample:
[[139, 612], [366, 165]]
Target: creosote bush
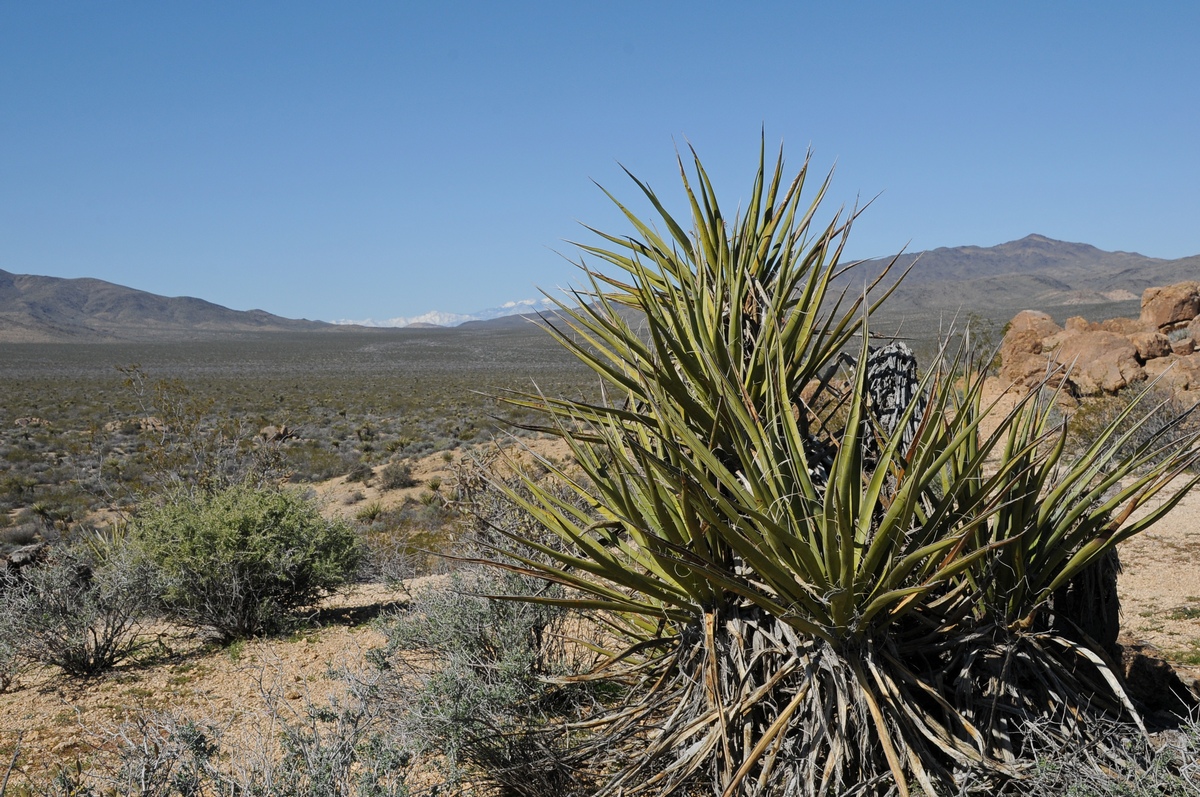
[[242, 560]]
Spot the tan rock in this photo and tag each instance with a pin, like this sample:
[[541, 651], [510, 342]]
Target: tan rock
[[1077, 324], [1183, 347], [1125, 326], [1022, 361], [1177, 373], [1170, 306], [1172, 374], [276, 434], [1034, 320], [1021, 355], [1150, 345], [1100, 362]]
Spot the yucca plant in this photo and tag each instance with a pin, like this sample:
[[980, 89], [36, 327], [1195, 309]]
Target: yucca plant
[[799, 601]]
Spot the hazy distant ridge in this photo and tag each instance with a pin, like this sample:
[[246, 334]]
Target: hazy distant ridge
[[1033, 272], [52, 309]]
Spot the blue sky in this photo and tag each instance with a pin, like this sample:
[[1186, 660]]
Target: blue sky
[[379, 160]]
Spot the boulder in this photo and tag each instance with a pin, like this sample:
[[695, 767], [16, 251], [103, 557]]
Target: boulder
[[1021, 355], [1100, 362], [1022, 361], [1039, 322], [14, 561], [1172, 373], [1150, 345], [1171, 306], [1177, 373], [1125, 326], [1183, 347]]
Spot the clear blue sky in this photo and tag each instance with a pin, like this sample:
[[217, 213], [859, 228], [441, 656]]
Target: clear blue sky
[[373, 160]]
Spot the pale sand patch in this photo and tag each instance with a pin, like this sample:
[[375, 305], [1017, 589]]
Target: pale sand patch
[[1160, 585]]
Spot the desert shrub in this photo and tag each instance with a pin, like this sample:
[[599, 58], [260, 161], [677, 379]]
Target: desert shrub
[[311, 461], [241, 560], [396, 476], [1162, 425], [162, 755], [79, 611], [477, 678], [16, 536], [1176, 335], [1167, 765], [361, 472], [337, 749]]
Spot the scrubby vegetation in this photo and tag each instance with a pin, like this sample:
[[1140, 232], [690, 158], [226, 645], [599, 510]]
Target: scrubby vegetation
[[82, 429], [485, 684], [240, 561]]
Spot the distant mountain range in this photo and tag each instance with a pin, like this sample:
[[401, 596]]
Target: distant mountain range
[[37, 309], [437, 318], [1035, 272]]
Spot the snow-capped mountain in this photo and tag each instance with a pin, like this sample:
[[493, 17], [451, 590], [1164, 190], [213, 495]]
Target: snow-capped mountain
[[441, 319]]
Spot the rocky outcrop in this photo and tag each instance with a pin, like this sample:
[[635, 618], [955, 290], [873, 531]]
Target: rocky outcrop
[[1099, 361], [14, 561], [1150, 345], [1167, 308], [147, 424], [1102, 357], [1022, 361]]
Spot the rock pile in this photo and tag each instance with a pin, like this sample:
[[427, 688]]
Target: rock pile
[[1091, 358]]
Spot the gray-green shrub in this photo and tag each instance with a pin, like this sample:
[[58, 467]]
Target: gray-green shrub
[[78, 611], [242, 560], [396, 476], [477, 680]]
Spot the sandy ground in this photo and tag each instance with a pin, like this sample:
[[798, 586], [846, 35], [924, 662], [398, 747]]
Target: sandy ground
[[1160, 585], [60, 719]]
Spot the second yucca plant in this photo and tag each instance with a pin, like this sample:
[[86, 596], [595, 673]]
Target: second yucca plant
[[805, 601]]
